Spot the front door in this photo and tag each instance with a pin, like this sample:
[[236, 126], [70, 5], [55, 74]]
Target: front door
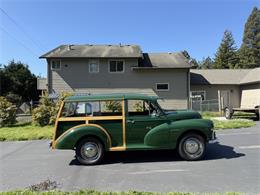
[[141, 117]]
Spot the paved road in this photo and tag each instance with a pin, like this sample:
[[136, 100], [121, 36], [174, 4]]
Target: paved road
[[231, 165]]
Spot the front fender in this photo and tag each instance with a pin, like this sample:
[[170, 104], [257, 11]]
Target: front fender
[[167, 134], [70, 137]]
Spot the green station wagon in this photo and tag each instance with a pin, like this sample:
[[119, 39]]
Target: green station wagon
[[94, 124]]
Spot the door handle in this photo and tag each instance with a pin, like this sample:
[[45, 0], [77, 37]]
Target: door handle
[[130, 121]]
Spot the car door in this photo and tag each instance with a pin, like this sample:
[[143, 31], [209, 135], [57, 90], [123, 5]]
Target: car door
[[141, 117]]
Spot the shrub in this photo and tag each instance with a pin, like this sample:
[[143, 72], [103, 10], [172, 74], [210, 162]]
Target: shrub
[[14, 98], [7, 112], [46, 112]]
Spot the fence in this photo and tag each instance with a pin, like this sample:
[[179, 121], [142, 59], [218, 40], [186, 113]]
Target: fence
[[205, 105]]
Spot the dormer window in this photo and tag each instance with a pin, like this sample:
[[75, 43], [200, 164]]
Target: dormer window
[[55, 64], [116, 66]]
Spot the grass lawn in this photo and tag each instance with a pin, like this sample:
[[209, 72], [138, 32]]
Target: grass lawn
[[239, 120], [93, 192], [25, 131], [232, 124]]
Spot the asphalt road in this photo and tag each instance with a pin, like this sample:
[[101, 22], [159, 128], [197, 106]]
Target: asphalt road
[[233, 164]]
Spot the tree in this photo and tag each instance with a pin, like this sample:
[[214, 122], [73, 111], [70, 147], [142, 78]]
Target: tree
[[192, 61], [16, 78], [249, 52], [226, 56], [206, 63]]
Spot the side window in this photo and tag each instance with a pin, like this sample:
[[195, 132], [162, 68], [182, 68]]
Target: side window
[[142, 108], [162, 86], [138, 108], [116, 66], [55, 65], [68, 109], [97, 108], [93, 66], [198, 95], [111, 108]]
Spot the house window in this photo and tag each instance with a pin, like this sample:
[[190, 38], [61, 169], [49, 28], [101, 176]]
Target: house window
[[198, 95], [55, 64], [162, 86], [116, 66], [93, 66]]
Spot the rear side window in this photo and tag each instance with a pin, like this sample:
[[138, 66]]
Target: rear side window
[[92, 108]]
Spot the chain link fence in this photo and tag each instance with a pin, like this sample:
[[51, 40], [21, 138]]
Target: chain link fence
[[205, 105]]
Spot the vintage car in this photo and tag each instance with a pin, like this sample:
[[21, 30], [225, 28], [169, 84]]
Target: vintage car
[[94, 124]]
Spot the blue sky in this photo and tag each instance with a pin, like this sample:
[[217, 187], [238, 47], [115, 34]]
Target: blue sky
[[156, 25]]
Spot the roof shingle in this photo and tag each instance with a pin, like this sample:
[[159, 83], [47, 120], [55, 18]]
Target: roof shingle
[[95, 51]]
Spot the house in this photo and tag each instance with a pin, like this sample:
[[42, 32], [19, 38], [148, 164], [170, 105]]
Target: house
[[95, 69], [119, 68], [230, 87]]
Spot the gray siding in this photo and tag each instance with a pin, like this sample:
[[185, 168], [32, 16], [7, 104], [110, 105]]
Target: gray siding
[[212, 92], [74, 76]]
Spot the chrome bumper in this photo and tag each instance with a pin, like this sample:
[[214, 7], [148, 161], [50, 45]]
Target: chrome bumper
[[213, 138]]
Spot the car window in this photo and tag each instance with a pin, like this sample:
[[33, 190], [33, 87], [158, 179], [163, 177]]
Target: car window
[[68, 109], [89, 108], [140, 108], [111, 108]]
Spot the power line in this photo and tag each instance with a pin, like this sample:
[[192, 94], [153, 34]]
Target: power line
[[21, 28], [21, 43]]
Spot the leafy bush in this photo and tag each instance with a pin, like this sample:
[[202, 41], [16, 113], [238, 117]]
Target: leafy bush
[[7, 112], [46, 112], [14, 98]]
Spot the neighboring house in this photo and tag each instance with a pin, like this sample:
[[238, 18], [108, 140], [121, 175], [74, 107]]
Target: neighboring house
[[230, 87], [119, 68]]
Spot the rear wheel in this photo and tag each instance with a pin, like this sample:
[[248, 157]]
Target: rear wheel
[[89, 151], [192, 147]]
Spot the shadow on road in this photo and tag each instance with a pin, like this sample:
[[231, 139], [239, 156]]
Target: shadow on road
[[214, 151]]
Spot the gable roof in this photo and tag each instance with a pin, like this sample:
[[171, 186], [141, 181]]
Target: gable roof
[[252, 76], [224, 76], [95, 51], [163, 60]]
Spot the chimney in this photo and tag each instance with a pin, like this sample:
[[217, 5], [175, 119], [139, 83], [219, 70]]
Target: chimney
[[69, 47]]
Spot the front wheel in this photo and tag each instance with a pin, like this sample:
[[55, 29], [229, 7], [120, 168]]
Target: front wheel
[[192, 147], [89, 151]]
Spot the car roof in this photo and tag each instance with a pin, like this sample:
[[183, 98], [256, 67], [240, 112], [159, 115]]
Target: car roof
[[111, 96]]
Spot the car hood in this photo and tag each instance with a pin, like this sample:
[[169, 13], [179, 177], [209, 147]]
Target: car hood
[[182, 114]]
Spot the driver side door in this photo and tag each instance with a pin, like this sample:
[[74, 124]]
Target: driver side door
[[141, 117]]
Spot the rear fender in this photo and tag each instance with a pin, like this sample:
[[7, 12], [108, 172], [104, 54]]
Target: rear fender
[[69, 138]]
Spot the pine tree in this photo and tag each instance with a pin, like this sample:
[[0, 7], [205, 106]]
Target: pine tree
[[226, 56], [206, 63], [249, 52]]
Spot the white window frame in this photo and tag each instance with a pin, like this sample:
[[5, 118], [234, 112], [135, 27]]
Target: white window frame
[[55, 68], [116, 71], [89, 62], [205, 94], [156, 84]]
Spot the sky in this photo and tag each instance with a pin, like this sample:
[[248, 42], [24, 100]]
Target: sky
[[30, 28]]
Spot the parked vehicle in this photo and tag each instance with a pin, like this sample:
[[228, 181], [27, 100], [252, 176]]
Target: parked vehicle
[[94, 124], [250, 102]]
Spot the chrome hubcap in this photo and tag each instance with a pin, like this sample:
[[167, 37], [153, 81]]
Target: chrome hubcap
[[90, 150], [191, 146]]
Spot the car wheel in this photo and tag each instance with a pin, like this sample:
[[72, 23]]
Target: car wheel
[[192, 147], [89, 151], [228, 113]]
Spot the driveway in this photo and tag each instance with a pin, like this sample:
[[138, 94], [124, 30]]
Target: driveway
[[233, 164]]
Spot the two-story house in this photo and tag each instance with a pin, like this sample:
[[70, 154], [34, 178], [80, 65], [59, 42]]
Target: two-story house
[[119, 68]]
